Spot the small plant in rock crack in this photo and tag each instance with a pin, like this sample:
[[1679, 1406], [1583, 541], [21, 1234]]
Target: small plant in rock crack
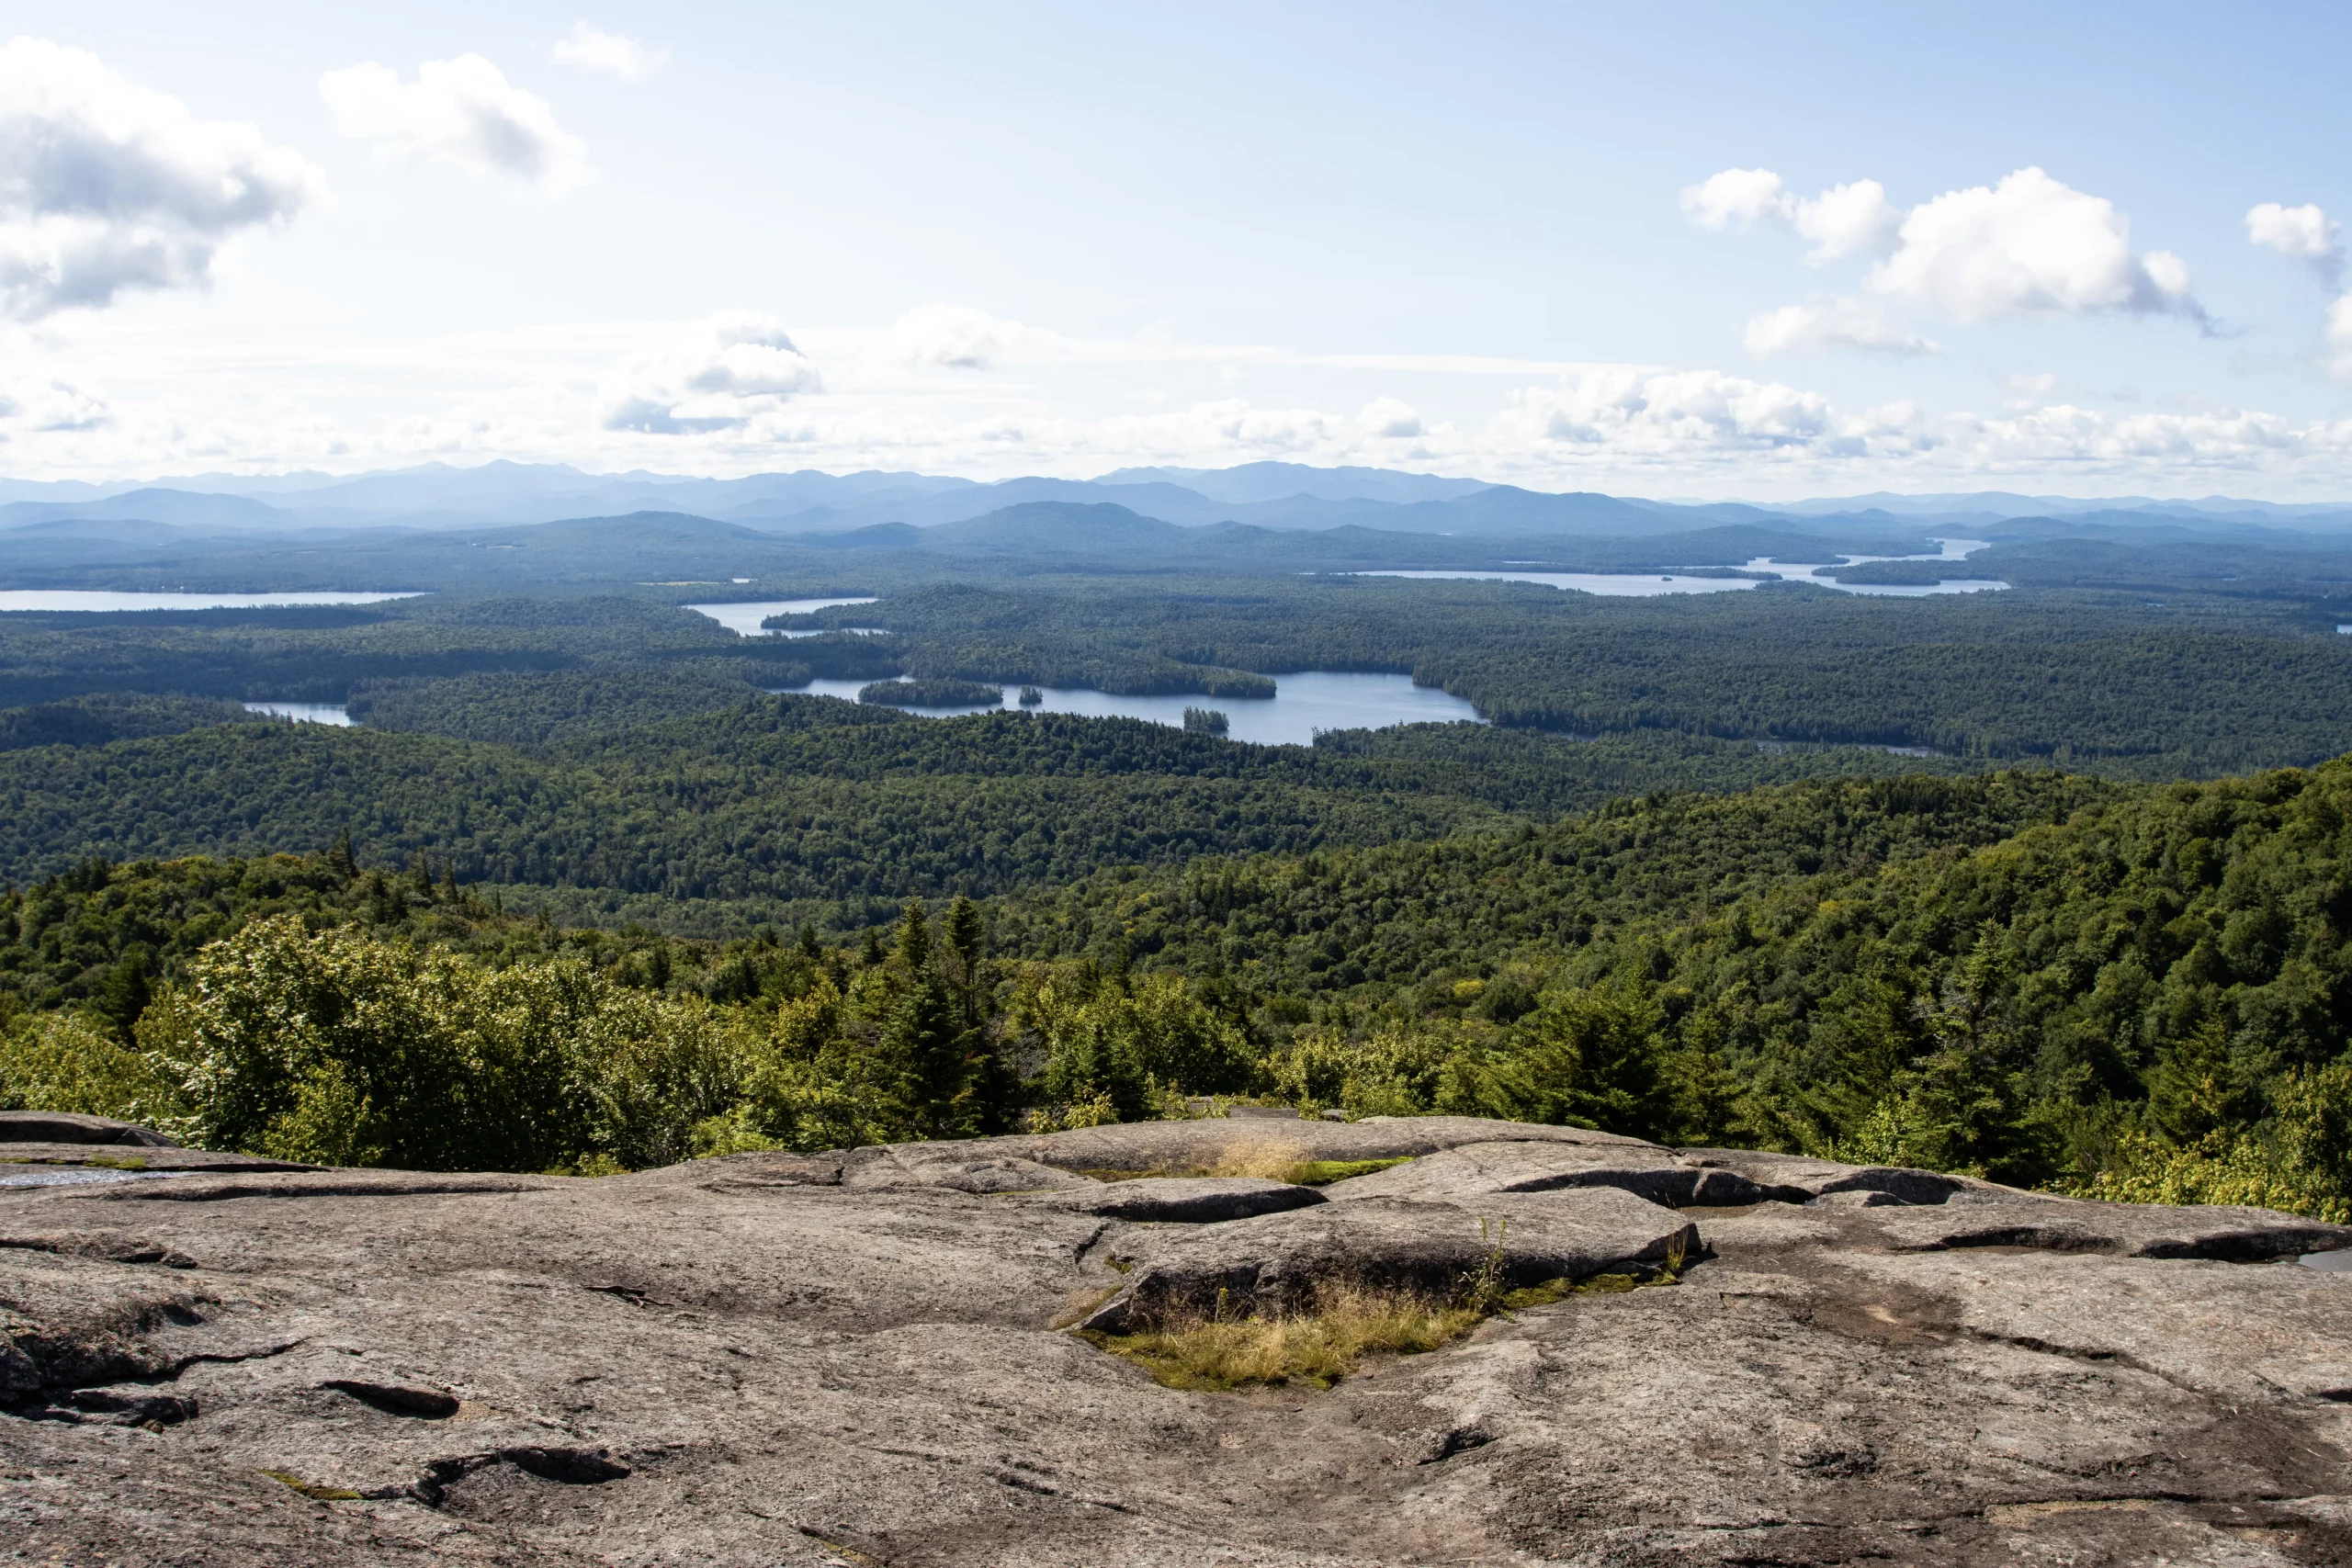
[[1483, 1288]]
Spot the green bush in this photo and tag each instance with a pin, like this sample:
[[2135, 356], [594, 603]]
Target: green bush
[[62, 1061]]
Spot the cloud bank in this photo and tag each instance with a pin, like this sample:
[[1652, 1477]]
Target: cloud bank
[[106, 187], [2029, 245], [718, 375], [463, 112]]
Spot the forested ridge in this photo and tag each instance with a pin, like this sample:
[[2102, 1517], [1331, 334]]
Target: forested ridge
[[584, 892], [2055, 980], [788, 808], [2186, 684]]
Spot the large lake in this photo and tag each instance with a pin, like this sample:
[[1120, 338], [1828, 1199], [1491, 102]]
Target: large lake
[[1643, 586], [1302, 704], [104, 601], [744, 619]]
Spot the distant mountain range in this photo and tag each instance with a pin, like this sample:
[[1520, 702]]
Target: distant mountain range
[[1276, 496]]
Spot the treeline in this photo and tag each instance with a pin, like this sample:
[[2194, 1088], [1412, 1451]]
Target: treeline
[[2127, 991], [2118, 990], [2198, 686], [790, 808]]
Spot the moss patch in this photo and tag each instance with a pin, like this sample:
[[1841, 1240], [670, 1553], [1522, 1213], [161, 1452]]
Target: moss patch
[[313, 1490]]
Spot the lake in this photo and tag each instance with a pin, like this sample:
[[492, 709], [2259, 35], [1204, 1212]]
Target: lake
[[1644, 585], [744, 618], [1302, 704], [102, 601], [306, 712]]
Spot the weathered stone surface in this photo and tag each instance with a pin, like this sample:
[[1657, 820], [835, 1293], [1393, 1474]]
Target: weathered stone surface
[[1180, 1200], [1795, 1179], [16, 1158], [1278, 1263], [963, 1168], [1176, 1147], [67, 1127], [750, 1361], [1472, 1171]]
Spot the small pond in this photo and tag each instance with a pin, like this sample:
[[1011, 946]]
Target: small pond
[[1302, 704], [744, 618]]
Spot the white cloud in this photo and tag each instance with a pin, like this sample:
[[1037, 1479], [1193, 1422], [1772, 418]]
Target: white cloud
[[2302, 233], [1839, 323], [591, 48], [1659, 412], [1391, 419], [460, 111], [2029, 245], [960, 338], [106, 186], [718, 375], [1737, 199], [1844, 220]]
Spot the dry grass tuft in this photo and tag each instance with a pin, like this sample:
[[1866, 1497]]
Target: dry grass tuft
[[1318, 1347], [1272, 1158]]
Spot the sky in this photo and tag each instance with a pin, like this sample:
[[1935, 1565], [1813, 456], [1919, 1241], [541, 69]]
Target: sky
[[1704, 251]]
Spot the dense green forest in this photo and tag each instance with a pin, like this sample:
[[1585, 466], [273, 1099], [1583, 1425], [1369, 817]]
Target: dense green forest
[[794, 808], [2124, 989], [2166, 667], [584, 892]]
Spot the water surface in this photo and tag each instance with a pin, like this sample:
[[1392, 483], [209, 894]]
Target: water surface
[[1649, 584], [744, 618], [1302, 704]]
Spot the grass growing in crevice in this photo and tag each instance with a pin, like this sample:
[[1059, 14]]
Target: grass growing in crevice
[[1218, 1351], [1349, 1322], [1274, 1162]]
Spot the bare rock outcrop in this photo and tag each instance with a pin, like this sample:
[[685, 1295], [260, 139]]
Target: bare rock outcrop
[[846, 1358]]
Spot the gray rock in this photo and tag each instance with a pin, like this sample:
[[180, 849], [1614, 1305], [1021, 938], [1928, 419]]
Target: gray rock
[[1796, 1179], [67, 1127], [1180, 1147], [1177, 1200], [957, 1166], [1471, 1171], [1281, 1262], [749, 1360]]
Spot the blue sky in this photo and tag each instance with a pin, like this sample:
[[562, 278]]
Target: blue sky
[[1063, 239]]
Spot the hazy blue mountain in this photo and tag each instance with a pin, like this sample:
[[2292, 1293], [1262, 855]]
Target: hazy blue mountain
[[178, 506], [1281, 481]]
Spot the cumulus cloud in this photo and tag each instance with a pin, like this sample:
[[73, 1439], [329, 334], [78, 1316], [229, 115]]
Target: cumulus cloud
[[591, 48], [1391, 419], [1844, 220], [719, 375], [958, 337], [1840, 323], [106, 186], [1661, 411], [2027, 245], [2302, 233], [460, 111], [2030, 244]]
